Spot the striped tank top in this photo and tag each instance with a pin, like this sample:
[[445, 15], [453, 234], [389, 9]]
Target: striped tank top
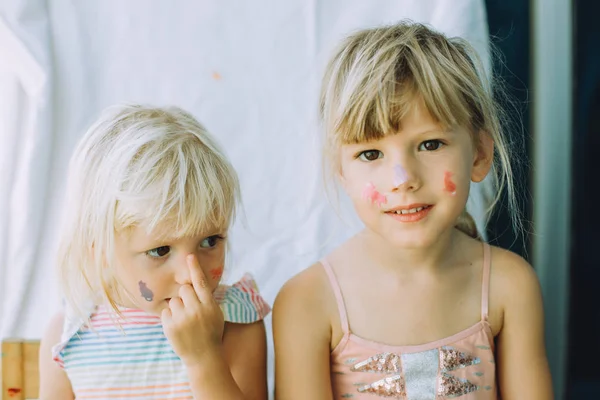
[[129, 357]]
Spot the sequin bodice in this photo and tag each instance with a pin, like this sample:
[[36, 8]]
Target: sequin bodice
[[460, 366]]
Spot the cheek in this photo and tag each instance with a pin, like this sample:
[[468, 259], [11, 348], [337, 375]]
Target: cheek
[[213, 265], [216, 273], [449, 185], [143, 279], [372, 195], [360, 184], [145, 291], [149, 284]]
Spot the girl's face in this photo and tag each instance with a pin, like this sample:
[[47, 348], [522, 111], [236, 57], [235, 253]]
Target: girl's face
[[411, 187], [152, 268]]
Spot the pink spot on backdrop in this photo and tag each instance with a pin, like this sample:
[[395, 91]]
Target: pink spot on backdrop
[[449, 186], [371, 194]]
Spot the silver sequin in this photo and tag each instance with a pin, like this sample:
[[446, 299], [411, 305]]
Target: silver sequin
[[420, 374]]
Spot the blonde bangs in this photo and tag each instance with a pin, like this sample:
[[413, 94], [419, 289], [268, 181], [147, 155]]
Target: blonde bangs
[[377, 75], [188, 192]]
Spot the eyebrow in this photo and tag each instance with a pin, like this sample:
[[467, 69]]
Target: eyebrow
[[435, 130], [166, 240]]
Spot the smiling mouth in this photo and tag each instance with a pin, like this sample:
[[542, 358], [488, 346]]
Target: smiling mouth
[[413, 210]]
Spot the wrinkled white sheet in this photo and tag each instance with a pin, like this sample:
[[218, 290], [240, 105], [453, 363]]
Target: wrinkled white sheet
[[249, 72]]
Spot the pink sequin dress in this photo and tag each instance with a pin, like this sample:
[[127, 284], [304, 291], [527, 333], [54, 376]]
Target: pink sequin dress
[[460, 366]]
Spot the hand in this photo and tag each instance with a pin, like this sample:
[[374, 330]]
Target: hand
[[194, 322]]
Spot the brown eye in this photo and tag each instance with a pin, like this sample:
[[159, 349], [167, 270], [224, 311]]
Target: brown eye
[[370, 155], [430, 145], [159, 251]]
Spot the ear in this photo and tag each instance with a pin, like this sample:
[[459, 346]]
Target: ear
[[483, 157]]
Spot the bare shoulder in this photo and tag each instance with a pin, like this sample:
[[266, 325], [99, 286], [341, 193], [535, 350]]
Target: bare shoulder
[[54, 383], [514, 284], [512, 275], [305, 294]]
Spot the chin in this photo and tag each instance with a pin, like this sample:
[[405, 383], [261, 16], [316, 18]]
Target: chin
[[157, 309]]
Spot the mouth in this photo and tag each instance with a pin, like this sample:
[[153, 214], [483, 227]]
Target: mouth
[[411, 213], [411, 209]]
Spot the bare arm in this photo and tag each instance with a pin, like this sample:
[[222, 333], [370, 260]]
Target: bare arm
[[54, 383], [302, 336], [523, 370], [246, 354], [238, 370]]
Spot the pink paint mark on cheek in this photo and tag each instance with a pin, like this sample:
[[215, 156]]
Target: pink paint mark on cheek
[[449, 185], [145, 292], [400, 175], [371, 194], [216, 273]]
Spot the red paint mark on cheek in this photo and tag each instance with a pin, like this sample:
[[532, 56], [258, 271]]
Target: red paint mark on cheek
[[216, 273], [449, 186], [13, 391], [371, 194]]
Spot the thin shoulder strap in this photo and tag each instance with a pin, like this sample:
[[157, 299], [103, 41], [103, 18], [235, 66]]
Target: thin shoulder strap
[[337, 291], [485, 285]]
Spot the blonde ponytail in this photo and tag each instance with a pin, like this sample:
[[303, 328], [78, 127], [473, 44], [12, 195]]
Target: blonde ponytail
[[466, 224]]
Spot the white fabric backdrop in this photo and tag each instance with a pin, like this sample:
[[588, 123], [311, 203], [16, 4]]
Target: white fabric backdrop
[[249, 71]]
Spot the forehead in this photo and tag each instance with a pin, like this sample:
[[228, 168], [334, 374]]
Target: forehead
[[416, 120], [415, 125], [419, 118], [142, 236]]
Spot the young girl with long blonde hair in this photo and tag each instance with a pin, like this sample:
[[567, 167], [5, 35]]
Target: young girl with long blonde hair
[[416, 305]]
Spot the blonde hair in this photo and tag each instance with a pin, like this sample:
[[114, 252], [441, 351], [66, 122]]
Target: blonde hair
[[377, 75], [138, 165]]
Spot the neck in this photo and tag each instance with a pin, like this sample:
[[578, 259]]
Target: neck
[[431, 258]]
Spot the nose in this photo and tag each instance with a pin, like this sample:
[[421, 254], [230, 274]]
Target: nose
[[403, 178], [182, 271]]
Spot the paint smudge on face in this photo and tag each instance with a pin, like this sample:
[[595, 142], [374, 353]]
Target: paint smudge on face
[[449, 186], [216, 273], [400, 175], [12, 392], [370, 193], [146, 293]]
